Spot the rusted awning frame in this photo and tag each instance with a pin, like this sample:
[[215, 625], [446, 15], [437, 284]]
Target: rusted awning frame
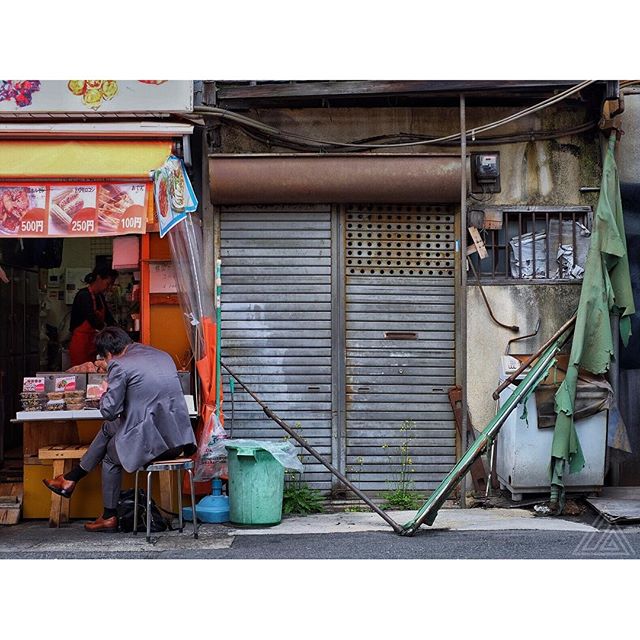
[[334, 178]]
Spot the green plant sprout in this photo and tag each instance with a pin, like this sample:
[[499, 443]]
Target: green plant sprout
[[298, 497], [402, 494]]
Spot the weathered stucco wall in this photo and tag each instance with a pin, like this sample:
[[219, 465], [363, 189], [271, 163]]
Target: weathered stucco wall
[[519, 305], [533, 173]]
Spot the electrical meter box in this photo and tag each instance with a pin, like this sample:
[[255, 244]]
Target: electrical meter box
[[485, 172]]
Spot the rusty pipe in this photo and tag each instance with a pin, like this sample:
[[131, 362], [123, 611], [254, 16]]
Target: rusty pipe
[[303, 443], [334, 178], [515, 328], [520, 338]]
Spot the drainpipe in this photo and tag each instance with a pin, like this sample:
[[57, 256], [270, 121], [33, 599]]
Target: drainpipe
[[463, 287]]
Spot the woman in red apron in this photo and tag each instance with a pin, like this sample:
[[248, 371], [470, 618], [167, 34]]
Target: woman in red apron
[[90, 314]]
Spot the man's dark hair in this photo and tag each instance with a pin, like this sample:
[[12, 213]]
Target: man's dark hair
[[112, 340]]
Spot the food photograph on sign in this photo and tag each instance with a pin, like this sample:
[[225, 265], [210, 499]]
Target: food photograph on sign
[[174, 194], [72, 210], [22, 210], [121, 208]]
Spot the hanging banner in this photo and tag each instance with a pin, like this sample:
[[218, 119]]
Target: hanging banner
[[174, 196], [85, 209]]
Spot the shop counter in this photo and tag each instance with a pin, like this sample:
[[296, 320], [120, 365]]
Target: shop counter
[[45, 428]]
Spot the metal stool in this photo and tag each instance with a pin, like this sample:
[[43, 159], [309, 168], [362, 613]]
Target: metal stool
[[178, 465]]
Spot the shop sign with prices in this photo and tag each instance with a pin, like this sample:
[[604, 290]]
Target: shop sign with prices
[[66, 209]]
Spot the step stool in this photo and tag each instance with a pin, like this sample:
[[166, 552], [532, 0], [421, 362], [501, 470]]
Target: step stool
[[178, 465], [62, 456]]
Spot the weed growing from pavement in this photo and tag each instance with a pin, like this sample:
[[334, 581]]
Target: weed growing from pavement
[[298, 497], [402, 494]]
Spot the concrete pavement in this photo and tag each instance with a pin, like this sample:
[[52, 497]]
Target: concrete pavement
[[329, 535], [447, 519]]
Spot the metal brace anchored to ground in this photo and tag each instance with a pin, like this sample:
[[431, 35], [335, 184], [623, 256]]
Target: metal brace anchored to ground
[[303, 443], [544, 359]]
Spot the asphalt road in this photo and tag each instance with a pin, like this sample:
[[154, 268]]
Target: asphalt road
[[613, 543]]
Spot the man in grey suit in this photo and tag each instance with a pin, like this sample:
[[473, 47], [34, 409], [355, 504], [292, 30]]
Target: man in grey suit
[[146, 419]]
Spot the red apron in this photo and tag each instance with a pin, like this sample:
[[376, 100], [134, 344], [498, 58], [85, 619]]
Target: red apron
[[82, 347]]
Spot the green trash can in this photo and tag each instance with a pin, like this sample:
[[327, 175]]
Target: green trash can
[[256, 484]]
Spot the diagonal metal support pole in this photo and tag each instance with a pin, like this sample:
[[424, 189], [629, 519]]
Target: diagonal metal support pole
[[303, 443], [428, 512]]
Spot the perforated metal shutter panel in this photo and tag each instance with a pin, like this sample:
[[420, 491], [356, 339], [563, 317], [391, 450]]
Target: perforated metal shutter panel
[[276, 323], [400, 344]]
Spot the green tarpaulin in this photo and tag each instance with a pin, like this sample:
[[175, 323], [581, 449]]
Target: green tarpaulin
[[606, 289]]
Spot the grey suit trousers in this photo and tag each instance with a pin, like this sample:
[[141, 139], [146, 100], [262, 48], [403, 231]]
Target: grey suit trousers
[[103, 449]]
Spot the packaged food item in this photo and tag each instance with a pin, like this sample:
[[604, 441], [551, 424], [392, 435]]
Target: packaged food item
[[92, 403], [55, 395], [94, 391], [75, 406], [70, 395], [55, 405], [32, 401], [29, 395]]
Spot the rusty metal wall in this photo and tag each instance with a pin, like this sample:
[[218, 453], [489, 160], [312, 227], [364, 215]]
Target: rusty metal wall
[[400, 344], [276, 322], [309, 178]]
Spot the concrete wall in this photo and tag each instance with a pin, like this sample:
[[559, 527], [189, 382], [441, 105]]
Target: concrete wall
[[519, 305], [533, 173]]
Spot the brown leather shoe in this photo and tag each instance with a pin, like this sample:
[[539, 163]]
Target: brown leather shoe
[[110, 525], [60, 486]]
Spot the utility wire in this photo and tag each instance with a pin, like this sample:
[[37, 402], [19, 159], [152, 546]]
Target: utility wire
[[277, 134], [529, 136]]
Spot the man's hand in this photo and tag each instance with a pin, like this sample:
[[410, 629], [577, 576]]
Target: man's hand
[[101, 366]]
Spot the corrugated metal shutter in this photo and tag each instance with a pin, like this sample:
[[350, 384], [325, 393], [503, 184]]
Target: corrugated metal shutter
[[400, 342], [276, 322]]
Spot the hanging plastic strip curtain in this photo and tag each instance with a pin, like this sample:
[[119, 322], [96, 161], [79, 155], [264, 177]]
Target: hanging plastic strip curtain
[[202, 325]]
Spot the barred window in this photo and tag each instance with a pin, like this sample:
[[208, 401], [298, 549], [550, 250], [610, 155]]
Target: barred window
[[532, 243]]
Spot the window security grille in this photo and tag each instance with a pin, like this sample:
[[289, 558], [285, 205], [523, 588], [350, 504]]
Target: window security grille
[[536, 244]]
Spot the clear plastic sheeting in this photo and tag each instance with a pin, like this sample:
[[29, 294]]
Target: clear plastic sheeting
[[566, 244], [185, 242], [284, 452]]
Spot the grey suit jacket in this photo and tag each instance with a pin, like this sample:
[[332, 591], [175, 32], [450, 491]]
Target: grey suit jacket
[[145, 400]]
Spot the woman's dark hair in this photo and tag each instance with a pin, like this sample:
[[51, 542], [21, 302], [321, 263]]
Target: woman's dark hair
[[112, 340], [102, 271]]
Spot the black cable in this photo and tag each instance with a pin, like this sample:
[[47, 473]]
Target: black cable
[[276, 138]]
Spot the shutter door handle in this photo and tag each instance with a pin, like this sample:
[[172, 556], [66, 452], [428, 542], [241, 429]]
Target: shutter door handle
[[400, 335]]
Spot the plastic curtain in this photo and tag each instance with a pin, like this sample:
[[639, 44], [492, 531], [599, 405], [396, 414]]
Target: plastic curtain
[[185, 242]]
